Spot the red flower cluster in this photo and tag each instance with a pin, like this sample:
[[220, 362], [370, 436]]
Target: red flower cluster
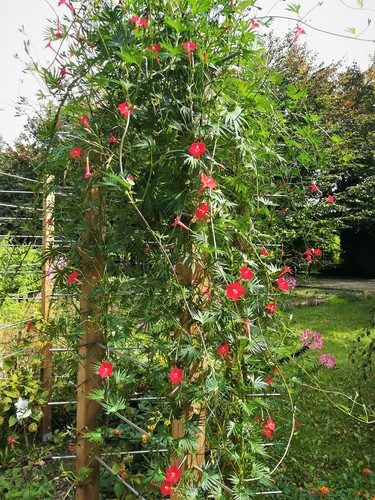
[[173, 475], [269, 427]]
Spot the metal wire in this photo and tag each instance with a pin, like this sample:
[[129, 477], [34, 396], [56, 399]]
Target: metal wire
[[19, 177], [9, 325], [129, 422], [19, 206], [130, 488]]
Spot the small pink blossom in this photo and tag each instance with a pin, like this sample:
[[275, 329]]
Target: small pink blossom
[[312, 340], [300, 31], [253, 25], [314, 187], [327, 360], [177, 222], [88, 174], [330, 198], [125, 109], [112, 139], [207, 181], [189, 47], [139, 21], [68, 4]]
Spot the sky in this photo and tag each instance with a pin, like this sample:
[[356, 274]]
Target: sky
[[336, 16]]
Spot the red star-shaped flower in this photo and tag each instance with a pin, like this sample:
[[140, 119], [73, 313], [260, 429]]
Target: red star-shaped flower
[[202, 211], [197, 149], [207, 182], [272, 307], [176, 375], [246, 273], [139, 21], [11, 440], [173, 474], [76, 153], [166, 488], [189, 47], [234, 291], [317, 251], [223, 350], [105, 369], [264, 252], [286, 270], [330, 198], [282, 284], [73, 277], [125, 109], [83, 121]]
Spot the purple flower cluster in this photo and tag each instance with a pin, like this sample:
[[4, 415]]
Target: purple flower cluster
[[327, 360]]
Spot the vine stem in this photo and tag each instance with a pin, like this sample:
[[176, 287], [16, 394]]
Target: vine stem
[[122, 142]]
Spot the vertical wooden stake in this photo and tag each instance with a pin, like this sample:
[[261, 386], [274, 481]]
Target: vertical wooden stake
[[196, 278], [88, 411], [47, 286]]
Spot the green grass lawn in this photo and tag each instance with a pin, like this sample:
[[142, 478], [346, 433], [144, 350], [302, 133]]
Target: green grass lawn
[[331, 447]]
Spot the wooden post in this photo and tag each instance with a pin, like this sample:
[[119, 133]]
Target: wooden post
[[195, 277], [47, 287], [88, 411]]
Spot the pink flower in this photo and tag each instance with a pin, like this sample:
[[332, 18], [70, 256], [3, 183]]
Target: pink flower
[[176, 375], [314, 187], [246, 273], [73, 277], [330, 198], [223, 350], [173, 474], [207, 182], [76, 153], [234, 291], [177, 222], [197, 149], [166, 488], [366, 470], [68, 4], [58, 33], [189, 47], [88, 174], [327, 360], [272, 307], [282, 284], [202, 211], [311, 340], [139, 21], [49, 46], [83, 121], [246, 322], [125, 109], [254, 25], [300, 31], [112, 139], [105, 369], [264, 252]]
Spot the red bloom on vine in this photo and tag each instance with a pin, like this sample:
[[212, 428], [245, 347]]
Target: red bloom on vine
[[139, 21], [176, 375], [58, 33], [308, 255], [88, 174], [264, 252], [269, 380], [30, 326], [317, 251], [246, 322], [246, 273], [154, 48], [76, 153], [189, 47], [173, 474], [112, 139], [11, 440], [223, 350], [177, 222], [73, 277], [202, 211], [272, 307], [105, 369], [269, 428], [68, 4], [253, 25], [314, 187], [166, 488], [125, 109], [234, 291], [286, 270], [366, 470], [282, 284], [300, 31], [207, 181], [83, 121], [330, 198], [197, 149]]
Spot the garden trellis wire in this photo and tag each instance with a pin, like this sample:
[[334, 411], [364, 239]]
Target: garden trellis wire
[[93, 350]]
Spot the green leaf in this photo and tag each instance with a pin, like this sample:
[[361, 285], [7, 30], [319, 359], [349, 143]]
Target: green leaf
[[244, 4], [293, 7], [12, 420], [176, 24]]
